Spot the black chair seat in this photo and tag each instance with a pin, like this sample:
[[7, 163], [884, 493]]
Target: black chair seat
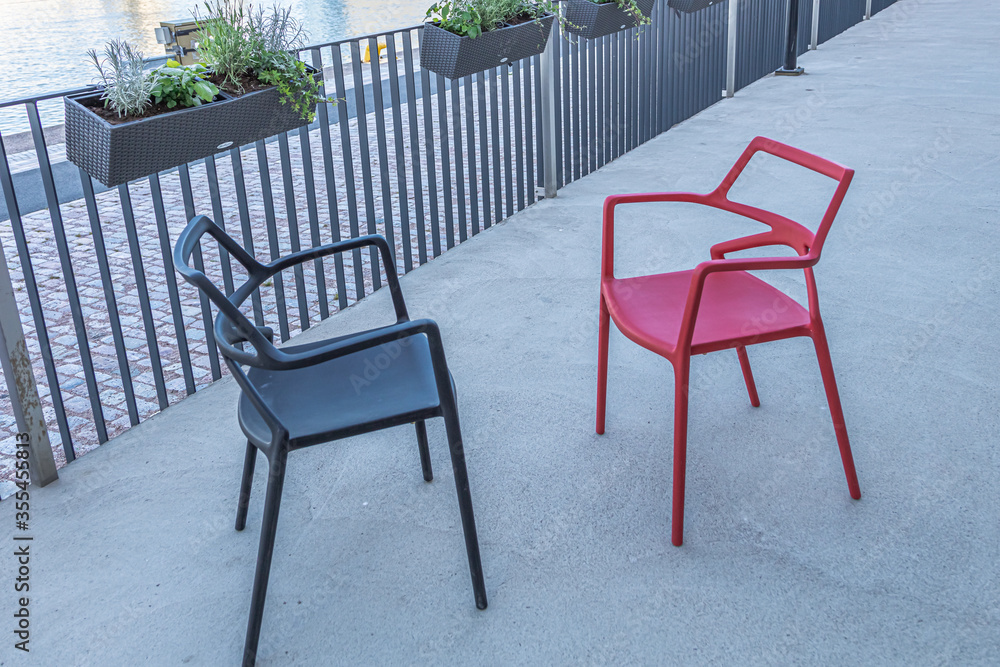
[[365, 391]]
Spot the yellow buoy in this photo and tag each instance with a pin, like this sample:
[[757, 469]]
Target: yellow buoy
[[367, 57]]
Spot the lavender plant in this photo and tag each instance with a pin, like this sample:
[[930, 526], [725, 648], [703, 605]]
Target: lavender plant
[[127, 84]]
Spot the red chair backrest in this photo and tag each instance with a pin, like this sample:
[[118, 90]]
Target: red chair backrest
[[786, 231]]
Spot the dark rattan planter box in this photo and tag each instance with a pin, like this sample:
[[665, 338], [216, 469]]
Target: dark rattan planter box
[[116, 154], [691, 5], [453, 56], [586, 19]]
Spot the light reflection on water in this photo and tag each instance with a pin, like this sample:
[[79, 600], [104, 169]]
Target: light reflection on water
[[43, 42]]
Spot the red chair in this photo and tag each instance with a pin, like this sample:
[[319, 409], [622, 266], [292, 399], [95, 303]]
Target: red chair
[[718, 305]]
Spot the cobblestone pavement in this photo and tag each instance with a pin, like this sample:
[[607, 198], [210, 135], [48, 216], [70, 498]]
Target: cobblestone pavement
[[299, 229]]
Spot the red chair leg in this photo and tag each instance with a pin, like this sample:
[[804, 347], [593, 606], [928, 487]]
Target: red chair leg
[[602, 366], [682, 372], [748, 376], [836, 412]]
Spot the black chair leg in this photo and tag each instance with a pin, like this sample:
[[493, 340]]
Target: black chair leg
[[249, 462], [425, 454], [465, 503], [272, 502]]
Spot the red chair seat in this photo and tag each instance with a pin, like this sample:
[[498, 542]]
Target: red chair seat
[[737, 308]]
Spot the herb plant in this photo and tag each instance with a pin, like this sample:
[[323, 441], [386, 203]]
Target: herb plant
[[471, 18], [241, 44], [127, 84], [182, 85]]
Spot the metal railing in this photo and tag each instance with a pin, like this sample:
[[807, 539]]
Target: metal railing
[[114, 337]]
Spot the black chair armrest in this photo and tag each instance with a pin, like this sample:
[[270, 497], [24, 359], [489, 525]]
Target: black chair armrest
[[346, 246]]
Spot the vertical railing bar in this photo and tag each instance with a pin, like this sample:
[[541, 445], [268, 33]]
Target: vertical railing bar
[[495, 134], [591, 105], [599, 117], [65, 261], [244, 212], [540, 62], [385, 179], [519, 132], [564, 108], [333, 208], [731, 44], [397, 134], [814, 35], [456, 128], [430, 153], [365, 156], [635, 112], [350, 186], [272, 237], [34, 299], [660, 76], [411, 103], [484, 149], [646, 82], [139, 271], [573, 54], [216, 196], [468, 85], [22, 384], [622, 85], [449, 219], [292, 219], [530, 81], [199, 264], [166, 253], [505, 74], [312, 212]]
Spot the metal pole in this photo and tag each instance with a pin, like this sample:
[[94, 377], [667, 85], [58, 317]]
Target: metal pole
[[814, 43], [734, 13], [547, 122], [868, 10], [791, 68], [21, 388]]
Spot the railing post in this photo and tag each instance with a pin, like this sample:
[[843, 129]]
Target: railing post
[[21, 387], [547, 124], [791, 68], [868, 10], [734, 12], [814, 42]]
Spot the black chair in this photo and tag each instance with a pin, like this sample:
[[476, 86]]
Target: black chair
[[304, 395]]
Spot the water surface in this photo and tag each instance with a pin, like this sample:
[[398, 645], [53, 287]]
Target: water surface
[[43, 42]]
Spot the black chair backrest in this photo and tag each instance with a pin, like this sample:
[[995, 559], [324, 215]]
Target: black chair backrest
[[231, 327]]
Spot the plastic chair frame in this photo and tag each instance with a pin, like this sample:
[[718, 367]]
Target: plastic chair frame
[[233, 329], [783, 232]]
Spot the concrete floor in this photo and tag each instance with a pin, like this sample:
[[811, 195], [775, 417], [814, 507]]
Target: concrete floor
[[135, 560]]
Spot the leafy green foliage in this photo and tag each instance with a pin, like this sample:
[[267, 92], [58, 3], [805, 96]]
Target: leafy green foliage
[[630, 8], [123, 74], [241, 44], [471, 18], [297, 87], [182, 85]]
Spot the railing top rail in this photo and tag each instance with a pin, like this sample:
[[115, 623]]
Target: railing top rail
[[47, 96]]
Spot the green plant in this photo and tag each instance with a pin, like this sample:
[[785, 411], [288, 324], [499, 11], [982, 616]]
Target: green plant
[[123, 74], [298, 87], [225, 40], [182, 85], [471, 18], [246, 43], [630, 8]]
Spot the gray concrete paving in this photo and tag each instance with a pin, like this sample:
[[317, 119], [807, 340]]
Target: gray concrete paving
[[135, 560]]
